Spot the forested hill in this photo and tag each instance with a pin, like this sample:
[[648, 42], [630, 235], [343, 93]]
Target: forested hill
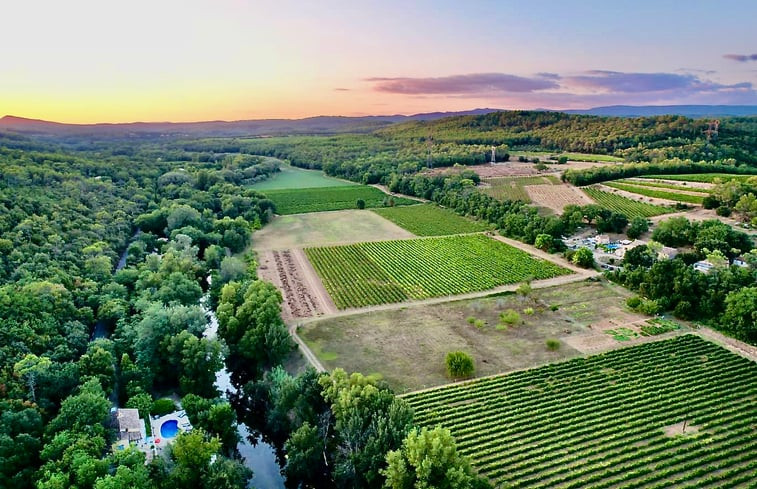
[[640, 138]]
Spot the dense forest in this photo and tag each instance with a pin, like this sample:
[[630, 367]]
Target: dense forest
[[409, 147]]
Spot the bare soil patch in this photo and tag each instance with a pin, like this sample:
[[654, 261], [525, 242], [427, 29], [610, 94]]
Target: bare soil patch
[[682, 428], [303, 294], [407, 345], [556, 197]]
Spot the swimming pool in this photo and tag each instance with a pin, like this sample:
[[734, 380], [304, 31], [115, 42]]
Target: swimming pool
[[169, 429]]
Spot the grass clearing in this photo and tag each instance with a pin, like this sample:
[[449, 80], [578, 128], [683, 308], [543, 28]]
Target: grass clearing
[[407, 346], [291, 177], [318, 199], [430, 220], [631, 208], [324, 229], [606, 420], [545, 155], [366, 274]]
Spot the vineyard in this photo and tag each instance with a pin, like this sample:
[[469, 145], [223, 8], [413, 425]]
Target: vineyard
[[430, 220], [297, 201], [662, 184], [382, 272], [658, 193], [673, 413], [701, 177], [630, 208], [513, 188]]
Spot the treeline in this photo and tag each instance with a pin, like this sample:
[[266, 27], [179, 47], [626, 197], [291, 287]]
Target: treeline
[[606, 173]]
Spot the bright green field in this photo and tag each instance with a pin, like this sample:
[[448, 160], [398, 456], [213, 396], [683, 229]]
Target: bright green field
[[297, 201], [430, 220], [630, 208], [382, 272], [701, 177], [613, 420], [291, 177], [657, 192]]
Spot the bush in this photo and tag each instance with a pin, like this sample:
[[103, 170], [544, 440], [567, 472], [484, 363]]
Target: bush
[[509, 317], [633, 302], [541, 166], [360, 204], [553, 344], [554, 307], [562, 160], [459, 365], [161, 407], [528, 311], [710, 202], [471, 319], [723, 211], [583, 257], [479, 323], [522, 159]]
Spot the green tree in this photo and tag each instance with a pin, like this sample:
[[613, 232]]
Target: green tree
[[639, 225], [583, 257], [305, 457], [29, 368], [459, 365], [544, 242], [192, 453], [740, 317], [429, 458]]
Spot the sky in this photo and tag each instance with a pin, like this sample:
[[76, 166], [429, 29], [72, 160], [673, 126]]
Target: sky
[[86, 61]]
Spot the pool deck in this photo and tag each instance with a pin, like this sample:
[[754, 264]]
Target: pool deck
[[156, 422]]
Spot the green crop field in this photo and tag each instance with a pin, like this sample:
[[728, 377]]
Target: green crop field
[[511, 188], [382, 272], [630, 208], [430, 220], [701, 177], [657, 193], [291, 177], [297, 201], [614, 420]]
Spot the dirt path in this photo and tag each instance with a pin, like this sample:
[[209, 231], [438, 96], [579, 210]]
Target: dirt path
[[734, 345], [313, 282], [385, 189]]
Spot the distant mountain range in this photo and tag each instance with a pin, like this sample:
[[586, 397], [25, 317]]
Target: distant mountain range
[[323, 124]]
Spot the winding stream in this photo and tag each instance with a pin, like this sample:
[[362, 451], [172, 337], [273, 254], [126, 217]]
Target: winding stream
[[261, 457]]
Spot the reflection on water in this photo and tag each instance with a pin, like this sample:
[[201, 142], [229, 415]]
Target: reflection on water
[[260, 457]]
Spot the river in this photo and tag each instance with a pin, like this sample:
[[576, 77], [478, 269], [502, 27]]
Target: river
[[261, 457]]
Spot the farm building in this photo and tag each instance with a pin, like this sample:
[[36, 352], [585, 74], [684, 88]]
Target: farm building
[[703, 266], [130, 426], [667, 253], [621, 251], [740, 261]]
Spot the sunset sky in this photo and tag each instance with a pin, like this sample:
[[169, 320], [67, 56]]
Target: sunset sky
[[187, 60]]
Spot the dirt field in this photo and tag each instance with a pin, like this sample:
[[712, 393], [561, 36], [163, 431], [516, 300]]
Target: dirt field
[[407, 346], [520, 169], [303, 292], [325, 228], [556, 197]]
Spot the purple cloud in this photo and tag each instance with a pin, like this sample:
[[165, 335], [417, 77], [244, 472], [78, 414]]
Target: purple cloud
[[474, 83], [741, 58], [618, 82]]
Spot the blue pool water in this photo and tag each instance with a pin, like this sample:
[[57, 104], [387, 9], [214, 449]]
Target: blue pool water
[[169, 429]]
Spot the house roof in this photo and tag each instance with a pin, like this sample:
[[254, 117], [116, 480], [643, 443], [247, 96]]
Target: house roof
[[128, 420]]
